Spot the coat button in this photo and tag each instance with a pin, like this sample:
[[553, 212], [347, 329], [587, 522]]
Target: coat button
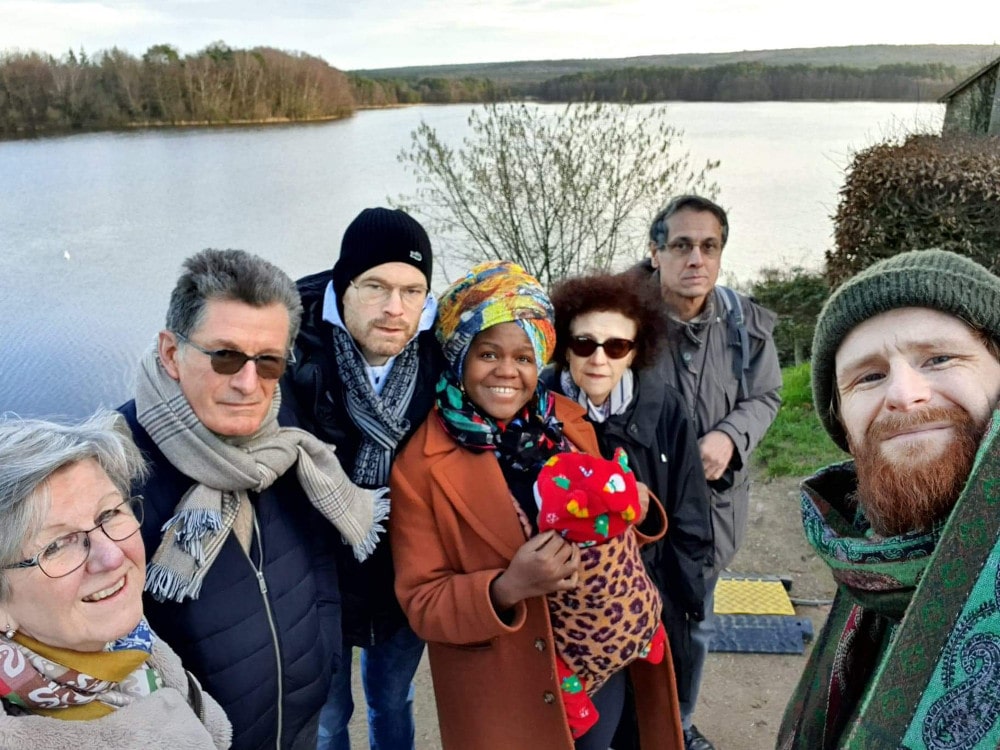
[[549, 697], [540, 644], [686, 356]]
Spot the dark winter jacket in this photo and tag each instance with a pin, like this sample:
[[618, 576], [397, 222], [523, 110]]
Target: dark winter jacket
[[313, 389], [263, 633]]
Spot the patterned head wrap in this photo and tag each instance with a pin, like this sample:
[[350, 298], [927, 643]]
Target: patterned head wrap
[[493, 293]]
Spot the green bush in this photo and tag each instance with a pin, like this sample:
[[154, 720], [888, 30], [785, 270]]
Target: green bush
[[796, 295], [929, 191], [796, 445]]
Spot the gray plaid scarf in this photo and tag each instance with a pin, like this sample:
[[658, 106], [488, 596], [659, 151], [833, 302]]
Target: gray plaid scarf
[[225, 470], [379, 417]]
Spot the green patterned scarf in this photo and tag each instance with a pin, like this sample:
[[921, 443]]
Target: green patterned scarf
[[929, 679]]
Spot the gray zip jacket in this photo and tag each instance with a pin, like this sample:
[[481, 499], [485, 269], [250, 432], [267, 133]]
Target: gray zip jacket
[[699, 363]]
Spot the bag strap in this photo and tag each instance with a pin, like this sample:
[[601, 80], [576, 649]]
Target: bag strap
[[738, 336]]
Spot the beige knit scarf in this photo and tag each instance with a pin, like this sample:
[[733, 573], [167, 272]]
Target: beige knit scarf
[[225, 470]]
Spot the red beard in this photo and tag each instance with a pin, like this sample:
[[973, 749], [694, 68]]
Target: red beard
[[911, 492]]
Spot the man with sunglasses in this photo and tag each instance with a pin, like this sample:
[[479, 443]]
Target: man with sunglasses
[[242, 573], [364, 377], [721, 357]]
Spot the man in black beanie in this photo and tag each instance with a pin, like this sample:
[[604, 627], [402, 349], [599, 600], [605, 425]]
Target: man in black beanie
[[366, 366], [906, 377]]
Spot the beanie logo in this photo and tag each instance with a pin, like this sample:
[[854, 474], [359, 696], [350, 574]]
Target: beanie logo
[[416, 255]]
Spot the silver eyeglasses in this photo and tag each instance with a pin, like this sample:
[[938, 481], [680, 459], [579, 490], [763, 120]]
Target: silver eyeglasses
[[375, 293], [62, 556]]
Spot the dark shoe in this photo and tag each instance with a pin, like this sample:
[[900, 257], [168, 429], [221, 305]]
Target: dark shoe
[[695, 740]]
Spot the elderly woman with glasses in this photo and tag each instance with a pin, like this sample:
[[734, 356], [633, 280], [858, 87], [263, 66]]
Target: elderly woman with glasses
[[79, 666], [608, 332], [474, 573]]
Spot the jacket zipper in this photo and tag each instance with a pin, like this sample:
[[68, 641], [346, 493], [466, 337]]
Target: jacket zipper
[[262, 584]]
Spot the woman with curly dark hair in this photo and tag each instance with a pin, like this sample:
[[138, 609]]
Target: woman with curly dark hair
[[608, 333]]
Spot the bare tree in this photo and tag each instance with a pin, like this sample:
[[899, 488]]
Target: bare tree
[[559, 192]]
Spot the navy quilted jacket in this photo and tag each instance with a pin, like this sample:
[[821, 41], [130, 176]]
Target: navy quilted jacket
[[261, 643]]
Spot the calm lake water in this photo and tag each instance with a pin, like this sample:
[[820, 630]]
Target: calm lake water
[[93, 228]]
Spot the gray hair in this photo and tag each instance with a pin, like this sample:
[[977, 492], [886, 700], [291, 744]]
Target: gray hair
[[658, 229], [31, 450], [230, 275]]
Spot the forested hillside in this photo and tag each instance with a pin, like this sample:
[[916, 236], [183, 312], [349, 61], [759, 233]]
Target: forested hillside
[[39, 93]]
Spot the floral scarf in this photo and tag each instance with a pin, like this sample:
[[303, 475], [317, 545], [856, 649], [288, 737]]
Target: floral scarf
[[75, 685]]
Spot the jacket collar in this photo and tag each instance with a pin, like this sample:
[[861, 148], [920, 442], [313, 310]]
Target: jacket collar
[[475, 485]]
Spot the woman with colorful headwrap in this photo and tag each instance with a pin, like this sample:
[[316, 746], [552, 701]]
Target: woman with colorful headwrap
[[472, 571]]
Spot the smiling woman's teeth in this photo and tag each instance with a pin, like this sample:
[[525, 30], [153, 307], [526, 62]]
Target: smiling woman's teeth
[[105, 593], [503, 391]]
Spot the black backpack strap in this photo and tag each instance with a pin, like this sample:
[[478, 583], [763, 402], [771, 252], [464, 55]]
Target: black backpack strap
[[738, 336]]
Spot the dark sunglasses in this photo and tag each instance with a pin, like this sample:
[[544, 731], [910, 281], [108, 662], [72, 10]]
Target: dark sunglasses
[[231, 361], [584, 346]]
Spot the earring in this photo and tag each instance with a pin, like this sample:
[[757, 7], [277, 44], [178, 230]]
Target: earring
[[9, 631]]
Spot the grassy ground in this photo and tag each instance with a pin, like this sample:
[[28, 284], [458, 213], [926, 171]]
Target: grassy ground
[[796, 445]]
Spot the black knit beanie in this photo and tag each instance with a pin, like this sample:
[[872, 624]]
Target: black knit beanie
[[936, 279], [377, 236]]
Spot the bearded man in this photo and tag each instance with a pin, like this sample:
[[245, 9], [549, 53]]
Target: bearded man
[[906, 377]]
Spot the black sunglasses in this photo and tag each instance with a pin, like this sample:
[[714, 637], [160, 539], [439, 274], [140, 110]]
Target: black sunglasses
[[584, 346], [231, 361]]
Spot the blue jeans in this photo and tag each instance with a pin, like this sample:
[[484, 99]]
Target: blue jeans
[[701, 639], [387, 670]]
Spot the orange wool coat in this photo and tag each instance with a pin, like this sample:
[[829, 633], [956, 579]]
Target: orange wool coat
[[453, 530]]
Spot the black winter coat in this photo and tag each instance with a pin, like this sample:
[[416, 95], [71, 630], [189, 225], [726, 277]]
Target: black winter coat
[[313, 389], [279, 608]]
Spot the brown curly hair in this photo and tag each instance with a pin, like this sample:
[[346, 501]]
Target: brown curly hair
[[625, 293]]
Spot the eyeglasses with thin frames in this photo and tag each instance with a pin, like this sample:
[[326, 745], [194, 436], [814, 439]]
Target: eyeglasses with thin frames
[[62, 556], [231, 361], [372, 292], [683, 247], [584, 346]]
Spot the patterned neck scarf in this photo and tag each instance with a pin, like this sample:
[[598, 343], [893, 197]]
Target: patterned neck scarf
[[75, 685], [877, 577], [533, 432], [381, 417]]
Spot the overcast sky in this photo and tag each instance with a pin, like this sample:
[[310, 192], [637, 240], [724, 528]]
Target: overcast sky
[[386, 33]]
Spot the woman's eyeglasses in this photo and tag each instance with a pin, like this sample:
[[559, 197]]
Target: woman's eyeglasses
[[62, 556], [584, 346], [231, 361]]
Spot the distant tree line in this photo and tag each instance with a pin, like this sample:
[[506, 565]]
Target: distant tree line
[[111, 89], [755, 82], [384, 92], [40, 93]]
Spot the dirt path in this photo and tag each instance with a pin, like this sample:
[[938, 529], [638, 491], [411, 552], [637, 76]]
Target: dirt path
[[743, 695]]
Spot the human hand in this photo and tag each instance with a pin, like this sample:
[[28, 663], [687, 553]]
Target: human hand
[[543, 564], [716, 452]]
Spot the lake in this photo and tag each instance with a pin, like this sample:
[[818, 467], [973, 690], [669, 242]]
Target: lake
[[93, 227]]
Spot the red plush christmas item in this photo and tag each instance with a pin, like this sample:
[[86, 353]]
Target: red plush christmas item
[[613, 616]]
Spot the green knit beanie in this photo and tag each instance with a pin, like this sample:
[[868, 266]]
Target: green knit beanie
[[937, 279]]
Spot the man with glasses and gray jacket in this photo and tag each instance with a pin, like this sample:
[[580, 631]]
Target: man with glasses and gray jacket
[[367, 365], [721, 357]]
